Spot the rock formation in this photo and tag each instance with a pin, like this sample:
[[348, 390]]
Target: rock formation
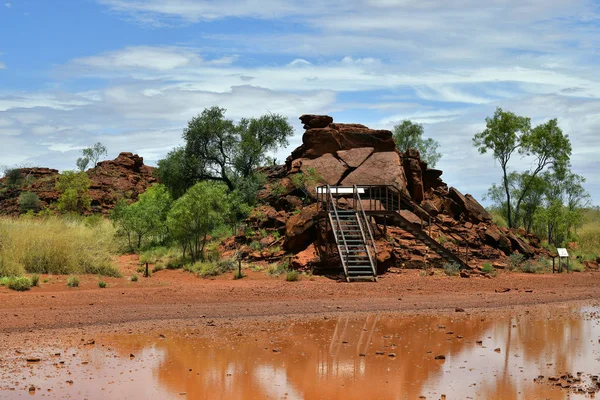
[[126, 176], [348, 154]]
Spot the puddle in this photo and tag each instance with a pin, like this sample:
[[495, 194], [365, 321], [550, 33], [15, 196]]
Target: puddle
[[492, 355]]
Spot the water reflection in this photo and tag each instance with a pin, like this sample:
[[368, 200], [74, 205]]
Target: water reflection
[[494, 356]]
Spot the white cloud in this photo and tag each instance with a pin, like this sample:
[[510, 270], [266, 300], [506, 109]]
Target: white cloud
[[2, 65], [8, 4]]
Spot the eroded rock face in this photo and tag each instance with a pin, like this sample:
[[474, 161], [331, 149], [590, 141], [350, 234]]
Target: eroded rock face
[[355, 157], [329, 167], [472, 210], [315, 121], [383, 168], [414, 175], [300, 229]]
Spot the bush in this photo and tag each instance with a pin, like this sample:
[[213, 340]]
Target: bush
[[35, 280], [73, 281], [134, 278], [101, 284], [488, 268], [56, 246], [13, 176], [237, 274], [28, 201], [451, 269], [292, 276], [277, 269], [515, 261], [214, 268], [20, 283], [75, 195]]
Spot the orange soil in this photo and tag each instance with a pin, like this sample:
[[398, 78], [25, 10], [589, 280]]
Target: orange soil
[[179, 295]]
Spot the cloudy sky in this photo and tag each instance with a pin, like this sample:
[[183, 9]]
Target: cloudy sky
[[131, 73]]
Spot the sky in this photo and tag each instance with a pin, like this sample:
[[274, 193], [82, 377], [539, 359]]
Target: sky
[[131, 73]]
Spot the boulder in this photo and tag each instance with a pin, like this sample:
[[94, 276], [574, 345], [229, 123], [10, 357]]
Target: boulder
[[470, 207], [414, 178], [315, 121], [504, 244], [382, 168], [300, 229], [410, 217], [305, 258], [430, 207], [355, 157], [492, 235], [330, 168], [432, 179], [520, 245]]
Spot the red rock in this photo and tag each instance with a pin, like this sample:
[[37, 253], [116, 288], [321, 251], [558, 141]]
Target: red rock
[[300, 229], [355, 157], [305, 258], [330, 168], [315, 121], [471, 208], [379, 169], [492, 235], [520, 245], [414, 178], [411, 217]]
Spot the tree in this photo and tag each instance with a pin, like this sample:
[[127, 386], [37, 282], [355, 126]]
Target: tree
[[74, 188], [94, 153], [28, 201], [195, 214], [409, 135], [219, 150], [144, 218], [172, 172], [502, 137], [82, 163]]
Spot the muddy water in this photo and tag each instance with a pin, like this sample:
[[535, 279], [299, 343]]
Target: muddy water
[[494, 355]]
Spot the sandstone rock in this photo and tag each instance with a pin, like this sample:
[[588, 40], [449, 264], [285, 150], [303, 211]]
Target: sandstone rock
[[504, 244], [267, 217], [471, 208], [300, 229], [492, 235], [430, 207], [305, 258], [315, 121], [355, 157], [432, 179], [414, 179], [412, 218], [520, 245], [380, 169], [330, 168]]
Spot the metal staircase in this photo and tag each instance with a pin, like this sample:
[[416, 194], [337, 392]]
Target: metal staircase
[[353, 236], [352, 230]]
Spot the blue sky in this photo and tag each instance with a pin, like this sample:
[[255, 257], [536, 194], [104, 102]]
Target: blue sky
[[131, 73]]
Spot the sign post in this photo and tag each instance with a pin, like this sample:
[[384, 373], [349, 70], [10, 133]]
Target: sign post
[[562, 254]]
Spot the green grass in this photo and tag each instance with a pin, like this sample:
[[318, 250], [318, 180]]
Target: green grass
[[19, 283], [35, 280], [277, 269], [212, 268], [237, 274], [134, 278], [488, 268], [515, 261], [73, 281], [56, 245], [588, 236], [292, 276], [101, 284]]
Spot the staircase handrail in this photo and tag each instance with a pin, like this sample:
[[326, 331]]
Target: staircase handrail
[[362, 216], [339, 224]]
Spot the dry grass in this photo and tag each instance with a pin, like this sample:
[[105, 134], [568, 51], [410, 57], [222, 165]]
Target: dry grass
[[56, 246], [588, 243]]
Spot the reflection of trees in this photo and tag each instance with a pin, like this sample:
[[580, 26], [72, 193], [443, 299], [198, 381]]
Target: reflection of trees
[[321, 359]]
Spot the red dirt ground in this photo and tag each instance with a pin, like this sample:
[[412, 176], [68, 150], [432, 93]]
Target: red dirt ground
[[179, 295]]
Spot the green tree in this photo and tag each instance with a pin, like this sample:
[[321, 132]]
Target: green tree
[[28, 201], [195, 214], [94, 153], [74, 188], [172, 172], [217, 149], [502, 137], [82, 163], [147, 217], [408, 134]]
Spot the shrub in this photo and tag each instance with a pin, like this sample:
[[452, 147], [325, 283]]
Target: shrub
[[488, 268], [75, 195], [442, 239], [292, 276], [214, 268], [515, 261], [13, 176], [277, 269], [451, 269], [255, 245], [73, 281], [28, 201], [35, 280], [576, 266], [20, 283], [101, 284], [56, 246], [134, 278]]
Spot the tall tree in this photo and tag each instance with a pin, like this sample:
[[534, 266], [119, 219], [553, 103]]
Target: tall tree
[[93, 153], [217, 149], [502, 137], [408, 134]]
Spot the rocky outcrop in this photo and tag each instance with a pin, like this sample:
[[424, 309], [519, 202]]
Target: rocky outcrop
[[124, 177], [349, 154]]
